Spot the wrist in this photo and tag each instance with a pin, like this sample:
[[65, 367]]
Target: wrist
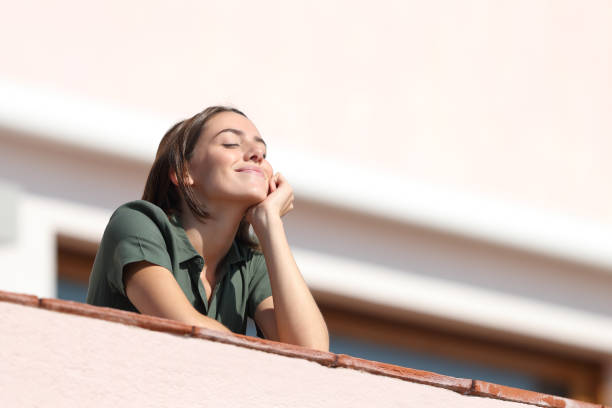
[[265, 221]]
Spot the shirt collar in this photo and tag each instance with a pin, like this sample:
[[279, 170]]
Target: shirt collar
[[235, 255], [186, 251]]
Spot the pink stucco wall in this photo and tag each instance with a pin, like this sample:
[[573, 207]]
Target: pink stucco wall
[[55, 359], [511, 99]]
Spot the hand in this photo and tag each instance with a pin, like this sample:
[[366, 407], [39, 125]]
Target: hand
[[278, 203]]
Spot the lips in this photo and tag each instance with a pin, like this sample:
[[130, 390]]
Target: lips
[[252, 170]]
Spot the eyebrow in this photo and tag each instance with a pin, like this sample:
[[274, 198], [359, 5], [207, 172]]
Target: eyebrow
[[240, 133]]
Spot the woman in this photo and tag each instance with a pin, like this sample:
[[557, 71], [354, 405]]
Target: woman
[[184, 252]]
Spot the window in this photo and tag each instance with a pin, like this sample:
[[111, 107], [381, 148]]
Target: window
[[74, 261], [453, 352]]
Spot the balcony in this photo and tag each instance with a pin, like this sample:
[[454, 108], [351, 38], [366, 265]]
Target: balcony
[[62, 353]]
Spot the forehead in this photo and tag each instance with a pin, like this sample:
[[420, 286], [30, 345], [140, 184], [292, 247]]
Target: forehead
[[232, 120]]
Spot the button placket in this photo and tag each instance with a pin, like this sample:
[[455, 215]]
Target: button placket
[[218, 286], [196, 270]]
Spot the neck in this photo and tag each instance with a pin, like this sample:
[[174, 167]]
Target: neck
[[213, 237]]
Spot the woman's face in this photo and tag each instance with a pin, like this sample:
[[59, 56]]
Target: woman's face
[[228, 161]]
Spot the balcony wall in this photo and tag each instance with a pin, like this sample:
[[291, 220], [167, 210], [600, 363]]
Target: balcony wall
[[59, 353]]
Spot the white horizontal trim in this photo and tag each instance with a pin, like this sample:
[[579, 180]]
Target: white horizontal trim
[[79, 121], [400, 289], [134, 135]]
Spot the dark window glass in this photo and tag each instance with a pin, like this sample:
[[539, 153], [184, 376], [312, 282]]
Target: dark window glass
[[71, 290], [442, 365]]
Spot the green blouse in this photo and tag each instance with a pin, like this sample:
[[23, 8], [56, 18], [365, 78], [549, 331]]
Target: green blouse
[[141, 231]]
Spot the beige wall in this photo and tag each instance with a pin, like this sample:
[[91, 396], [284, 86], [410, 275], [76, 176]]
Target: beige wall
[[511, 99], [54, 359]]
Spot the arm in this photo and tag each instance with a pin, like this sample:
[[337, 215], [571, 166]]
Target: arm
[[154, 291], [291, 315]]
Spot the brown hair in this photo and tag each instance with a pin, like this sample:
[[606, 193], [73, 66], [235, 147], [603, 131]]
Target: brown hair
[[173, 153]]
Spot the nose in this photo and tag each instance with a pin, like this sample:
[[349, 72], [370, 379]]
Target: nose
[[255, 153]]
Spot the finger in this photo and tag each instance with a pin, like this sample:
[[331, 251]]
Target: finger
[[275, 181], [281, 182], [288, 205], [284, 184], [272, 185], [287, 210]]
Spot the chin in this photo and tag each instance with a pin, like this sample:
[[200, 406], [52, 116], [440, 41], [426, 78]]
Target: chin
[[256, 197], [251, 196]]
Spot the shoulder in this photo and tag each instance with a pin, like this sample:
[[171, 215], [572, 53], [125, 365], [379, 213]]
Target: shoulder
[[139, 208], [137, 231], [138, 217]]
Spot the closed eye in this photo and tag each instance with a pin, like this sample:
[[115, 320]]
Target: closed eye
[[232, 145]]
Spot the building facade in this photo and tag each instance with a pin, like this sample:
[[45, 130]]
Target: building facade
[[447, 160]]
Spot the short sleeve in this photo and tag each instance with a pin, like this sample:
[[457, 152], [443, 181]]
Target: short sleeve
[[132, 236], [259, 285]]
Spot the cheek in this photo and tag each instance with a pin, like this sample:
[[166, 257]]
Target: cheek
[[219, 165], [268, 169]]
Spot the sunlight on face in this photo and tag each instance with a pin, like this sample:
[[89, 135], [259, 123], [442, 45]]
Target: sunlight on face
[[228, 162]]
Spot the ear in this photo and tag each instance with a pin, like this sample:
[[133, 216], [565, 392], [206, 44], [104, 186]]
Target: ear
[[174, 179]]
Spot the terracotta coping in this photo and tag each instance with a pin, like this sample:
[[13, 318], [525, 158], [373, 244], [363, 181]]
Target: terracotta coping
[[464, 386]]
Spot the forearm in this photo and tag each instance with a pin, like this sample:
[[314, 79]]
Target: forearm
[[153, 291], [298, 318], [200, 320], [188, 315]]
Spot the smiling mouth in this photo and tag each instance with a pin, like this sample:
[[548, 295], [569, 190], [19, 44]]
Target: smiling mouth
[[252, 171]]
